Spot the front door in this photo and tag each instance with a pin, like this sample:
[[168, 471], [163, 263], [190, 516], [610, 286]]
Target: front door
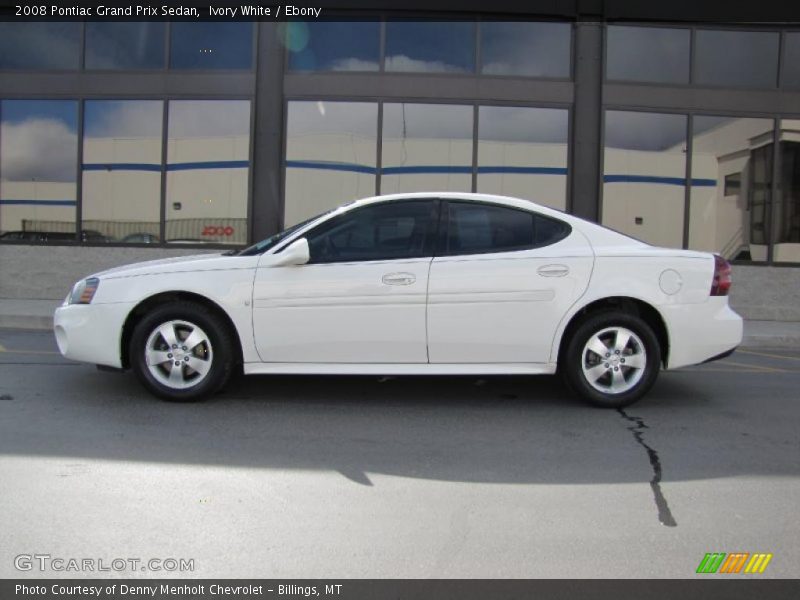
[[360, 299]]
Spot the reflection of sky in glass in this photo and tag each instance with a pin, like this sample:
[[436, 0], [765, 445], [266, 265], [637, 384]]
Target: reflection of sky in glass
[[433, 47], [648, 54], [124, 45], [427, 121], [319, 46], [791, 63], [32, 45], [122, 118], [736, 58], [208, 118], [211, 45], [644, 130], [523, 124], [38, 140], [359, 119], [532, 49]]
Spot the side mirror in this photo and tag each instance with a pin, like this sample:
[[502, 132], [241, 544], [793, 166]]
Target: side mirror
[[294, 254]]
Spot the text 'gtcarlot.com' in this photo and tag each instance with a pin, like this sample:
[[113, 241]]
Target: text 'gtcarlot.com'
[[46, 562]]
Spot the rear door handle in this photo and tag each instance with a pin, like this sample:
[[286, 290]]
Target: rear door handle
[[399, 278], [553, 270]]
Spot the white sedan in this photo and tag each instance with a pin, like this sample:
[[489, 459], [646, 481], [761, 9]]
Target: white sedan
[[412, 284]]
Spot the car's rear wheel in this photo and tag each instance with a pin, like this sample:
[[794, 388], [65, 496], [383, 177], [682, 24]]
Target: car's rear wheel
[[612, 359], [182, 351]]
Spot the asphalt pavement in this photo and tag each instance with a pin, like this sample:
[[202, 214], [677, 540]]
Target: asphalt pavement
[[361, 477]]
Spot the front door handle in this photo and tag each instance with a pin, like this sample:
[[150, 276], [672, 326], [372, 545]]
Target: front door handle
[[553, 270], [399, 278]]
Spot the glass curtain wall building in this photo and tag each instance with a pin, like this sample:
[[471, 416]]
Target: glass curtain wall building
[[210, 134]]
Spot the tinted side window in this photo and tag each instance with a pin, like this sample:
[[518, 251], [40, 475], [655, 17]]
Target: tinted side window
[[387, 231], [481, 228]]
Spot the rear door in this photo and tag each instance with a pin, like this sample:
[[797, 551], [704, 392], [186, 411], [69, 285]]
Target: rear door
[[502, 280]]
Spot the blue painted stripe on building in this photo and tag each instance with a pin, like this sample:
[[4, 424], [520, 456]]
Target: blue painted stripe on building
[[656, 179], [40, 202], [403, 170], [524, 170], [210, 164], [330, 166], [121, 167], [425, 169]]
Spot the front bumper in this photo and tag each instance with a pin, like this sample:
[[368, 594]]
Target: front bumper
[[700, 332], [91, 332]]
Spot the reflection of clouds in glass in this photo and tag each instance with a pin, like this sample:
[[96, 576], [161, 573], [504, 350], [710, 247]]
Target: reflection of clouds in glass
[[532, 49], [208, 118], [123, 118], [430, 46], [334, 46], [39, 45], [38, 149], [406, 64], [522, 124], [354, 64], [427, 121], [643, 130], [314, 118]]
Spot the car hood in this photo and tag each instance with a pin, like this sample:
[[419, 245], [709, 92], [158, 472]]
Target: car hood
[[195, 262]]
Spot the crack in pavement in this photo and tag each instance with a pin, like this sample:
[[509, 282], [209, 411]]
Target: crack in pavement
[[637, 429]]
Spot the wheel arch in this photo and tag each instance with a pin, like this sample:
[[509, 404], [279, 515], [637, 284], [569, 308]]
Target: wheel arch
[[140, 310], [628, 304]]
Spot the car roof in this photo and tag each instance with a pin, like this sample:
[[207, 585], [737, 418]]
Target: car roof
[[489, 198]]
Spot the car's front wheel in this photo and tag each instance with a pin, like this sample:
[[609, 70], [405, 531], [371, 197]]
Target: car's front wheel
[[182, 352], [612, 359]]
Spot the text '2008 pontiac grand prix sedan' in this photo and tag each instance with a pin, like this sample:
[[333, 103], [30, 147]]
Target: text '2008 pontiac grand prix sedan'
[[431, 283]]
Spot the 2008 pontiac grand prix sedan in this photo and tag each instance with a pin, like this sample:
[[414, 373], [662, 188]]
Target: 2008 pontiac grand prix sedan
[[431, 283]]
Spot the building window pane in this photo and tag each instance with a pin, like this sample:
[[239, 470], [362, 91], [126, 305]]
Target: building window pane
[[39, 45], [124, 45], [644, 175], [211, 45], [430, 47], [652, 54], [790, 65], [208, 165], [522, 152], [426, 147], [321, 46], [787, 217], [121, 194], [331, 149], [38, 169], [736, 58], [731, 184], [526, 49]]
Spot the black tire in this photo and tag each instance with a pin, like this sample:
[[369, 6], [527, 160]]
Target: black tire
[[607, 324], [216, 354]]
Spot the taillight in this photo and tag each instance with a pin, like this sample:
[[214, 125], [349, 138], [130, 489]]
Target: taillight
[[721, 284]]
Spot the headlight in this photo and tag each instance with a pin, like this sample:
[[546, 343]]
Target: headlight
[[83, 291]]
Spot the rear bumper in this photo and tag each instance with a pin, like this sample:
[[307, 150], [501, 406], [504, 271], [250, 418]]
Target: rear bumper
[[91, 332], [701, 332]]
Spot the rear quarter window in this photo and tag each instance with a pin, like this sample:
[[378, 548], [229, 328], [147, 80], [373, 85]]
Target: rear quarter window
[[476, 228]]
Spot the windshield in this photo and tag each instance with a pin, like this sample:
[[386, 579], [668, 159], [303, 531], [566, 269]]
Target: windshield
[[273, 240]]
